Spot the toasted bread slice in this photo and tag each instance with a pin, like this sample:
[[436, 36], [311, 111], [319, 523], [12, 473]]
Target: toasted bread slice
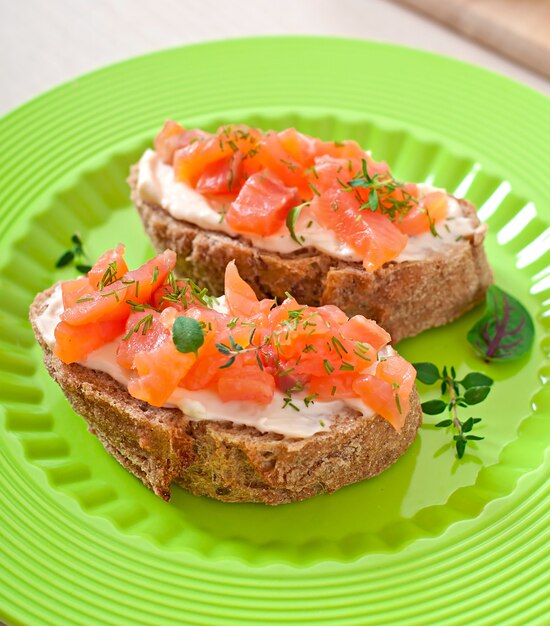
[[404, 297], [224, 460]]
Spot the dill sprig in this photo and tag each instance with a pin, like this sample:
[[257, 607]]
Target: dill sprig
[[144, 324], [381, 188], [186, 292], [109, 276]]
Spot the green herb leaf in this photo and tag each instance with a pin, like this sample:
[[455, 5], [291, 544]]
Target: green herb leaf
[[475, 395], [187, 334], [460, 447], [434, 407], [426, 373], [76, 254], [468, 425], [474, 438], [373, 200], [444, 423], [65, 259], [223, 348], [291, 220], [506, 330], [228, 364], [476, 379]]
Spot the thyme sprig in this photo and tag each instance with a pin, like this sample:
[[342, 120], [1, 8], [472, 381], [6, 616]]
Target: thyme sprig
[[234, 349], [75, 255], [472, 389]]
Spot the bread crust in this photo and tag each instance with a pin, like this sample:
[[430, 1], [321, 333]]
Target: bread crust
[[405, 298], [224, 460]]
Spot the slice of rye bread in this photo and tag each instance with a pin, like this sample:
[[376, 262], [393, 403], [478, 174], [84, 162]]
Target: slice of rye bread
[[223, 460], [405, 298]]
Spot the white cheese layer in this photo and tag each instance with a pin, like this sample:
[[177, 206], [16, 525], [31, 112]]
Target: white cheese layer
[[156, 184], [204, 404]]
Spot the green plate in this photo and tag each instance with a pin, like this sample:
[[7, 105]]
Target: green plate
[[431, 540]]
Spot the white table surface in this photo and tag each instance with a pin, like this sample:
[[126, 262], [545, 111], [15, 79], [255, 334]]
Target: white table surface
[[44, 43]]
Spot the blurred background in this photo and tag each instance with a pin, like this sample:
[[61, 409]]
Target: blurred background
[[45, 43]]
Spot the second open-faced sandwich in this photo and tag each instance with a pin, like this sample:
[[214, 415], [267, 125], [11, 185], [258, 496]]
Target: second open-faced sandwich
[[320, 219], [238, 399]]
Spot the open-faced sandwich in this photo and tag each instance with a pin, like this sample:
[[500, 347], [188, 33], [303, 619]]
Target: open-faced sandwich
[[238, 399], [320, 219]]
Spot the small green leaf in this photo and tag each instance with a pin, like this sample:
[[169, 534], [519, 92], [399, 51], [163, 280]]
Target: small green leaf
[[474, 438], [65, 259], [426, 373], [475, 395], [444, 423], [291, 220], [506, 330], [434, 407], [373, 200], [223, 348], [476, 379], [83, 269], [187, 334], [468, 425], [460, 447], [76, 240], [228, 364]]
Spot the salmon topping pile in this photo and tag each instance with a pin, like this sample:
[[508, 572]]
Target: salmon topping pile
[[265, 179], [169, 334]]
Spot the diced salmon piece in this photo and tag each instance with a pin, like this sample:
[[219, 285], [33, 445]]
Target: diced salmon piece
[[140, 336], [172, 137], [112, 302], [110, 267], [287, 155], [399, 373], [339, 385], [388, 391], [431, 209], [261, 206], [222, 177], [73, 290], [339, 149], [359, 328], [158, 373], [75, 343], [372, 235], [191, 160], [240, 297], [246, 383]]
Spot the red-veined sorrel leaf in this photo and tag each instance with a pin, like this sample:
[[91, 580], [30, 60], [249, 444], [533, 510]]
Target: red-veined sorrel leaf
[[506, 330]]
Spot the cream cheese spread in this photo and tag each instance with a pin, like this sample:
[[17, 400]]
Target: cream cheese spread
[[204, 404], [156, 184]]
